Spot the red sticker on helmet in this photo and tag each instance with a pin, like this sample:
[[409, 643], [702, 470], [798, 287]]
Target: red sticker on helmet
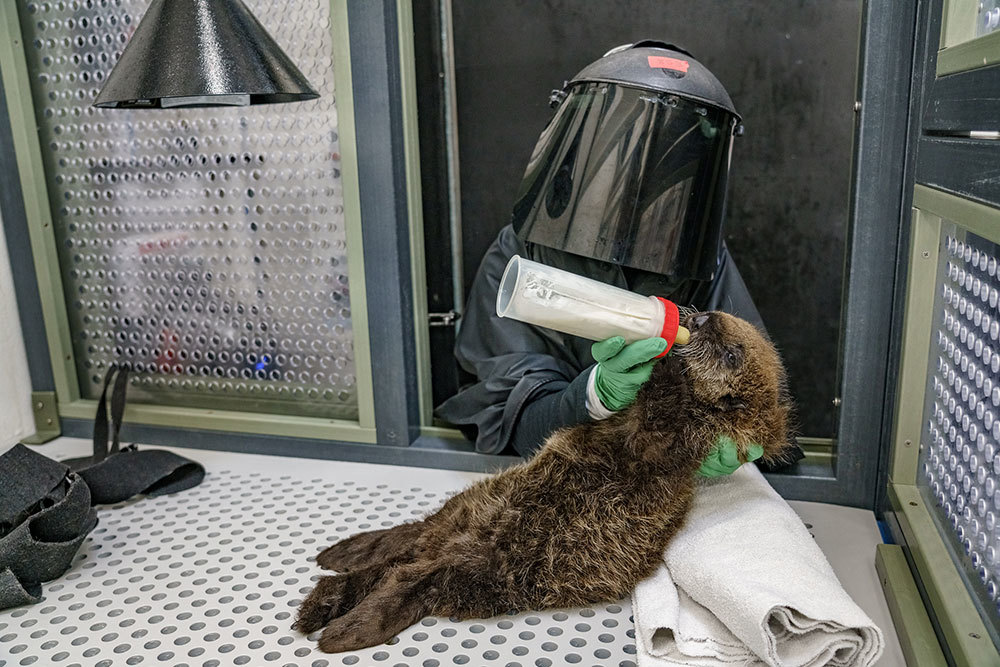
[[664, 62]]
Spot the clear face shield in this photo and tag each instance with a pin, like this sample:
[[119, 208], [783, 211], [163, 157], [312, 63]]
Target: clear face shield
[[632, 177]]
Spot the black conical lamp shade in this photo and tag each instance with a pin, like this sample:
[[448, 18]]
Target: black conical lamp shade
[[202, 53]]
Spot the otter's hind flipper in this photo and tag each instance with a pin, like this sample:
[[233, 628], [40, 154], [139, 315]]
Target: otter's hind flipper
[[335, 596], [378, 546], [403, 597]]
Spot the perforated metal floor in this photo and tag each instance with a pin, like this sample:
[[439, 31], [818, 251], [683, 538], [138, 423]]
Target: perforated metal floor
[[212, 576]]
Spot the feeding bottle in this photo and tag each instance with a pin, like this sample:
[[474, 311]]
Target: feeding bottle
[[564, 301]]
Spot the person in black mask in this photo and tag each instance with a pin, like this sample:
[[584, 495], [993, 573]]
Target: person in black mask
[[626, 185]]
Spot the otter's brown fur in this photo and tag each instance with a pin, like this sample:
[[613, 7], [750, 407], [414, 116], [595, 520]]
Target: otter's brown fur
[[582, 522]]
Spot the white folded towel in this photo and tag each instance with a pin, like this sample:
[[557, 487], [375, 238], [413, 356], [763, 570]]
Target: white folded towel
[[743, 583]]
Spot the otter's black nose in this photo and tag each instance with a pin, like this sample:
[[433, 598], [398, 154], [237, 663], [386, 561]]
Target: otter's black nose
[[699, 321]]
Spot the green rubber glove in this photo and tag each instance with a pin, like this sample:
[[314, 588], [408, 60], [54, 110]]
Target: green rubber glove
[[724, 458], [622, 369]]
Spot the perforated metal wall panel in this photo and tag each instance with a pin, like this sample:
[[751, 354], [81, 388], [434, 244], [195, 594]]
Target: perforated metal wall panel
[[205, 246], [960, 456]]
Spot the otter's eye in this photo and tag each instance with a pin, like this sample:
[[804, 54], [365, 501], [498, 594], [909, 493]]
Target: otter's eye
[[731, 358]]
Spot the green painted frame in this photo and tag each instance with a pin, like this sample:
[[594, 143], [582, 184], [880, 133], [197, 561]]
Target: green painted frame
[[926, 230], [13, 69], [956, 614], [414, 206], [913, 626], [960, 49], [959, 621], [958, 20]]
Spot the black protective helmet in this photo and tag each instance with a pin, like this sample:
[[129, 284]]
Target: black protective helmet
[[633, 167]]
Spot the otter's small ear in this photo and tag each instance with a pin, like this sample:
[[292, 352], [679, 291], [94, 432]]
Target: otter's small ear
[[730, 402]]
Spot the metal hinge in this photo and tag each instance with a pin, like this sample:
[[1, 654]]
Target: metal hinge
[[46, 413], [557, 96], [443, 319]]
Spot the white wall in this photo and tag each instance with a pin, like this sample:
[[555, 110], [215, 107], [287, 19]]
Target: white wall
[[16, 421]]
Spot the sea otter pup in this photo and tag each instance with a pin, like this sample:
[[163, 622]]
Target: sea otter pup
[[582, 522]]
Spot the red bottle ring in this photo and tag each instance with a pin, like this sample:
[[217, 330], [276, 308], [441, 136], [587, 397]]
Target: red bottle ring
[[671, 322]]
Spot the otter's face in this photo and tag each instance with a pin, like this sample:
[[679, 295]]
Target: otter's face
[[735, 370]]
